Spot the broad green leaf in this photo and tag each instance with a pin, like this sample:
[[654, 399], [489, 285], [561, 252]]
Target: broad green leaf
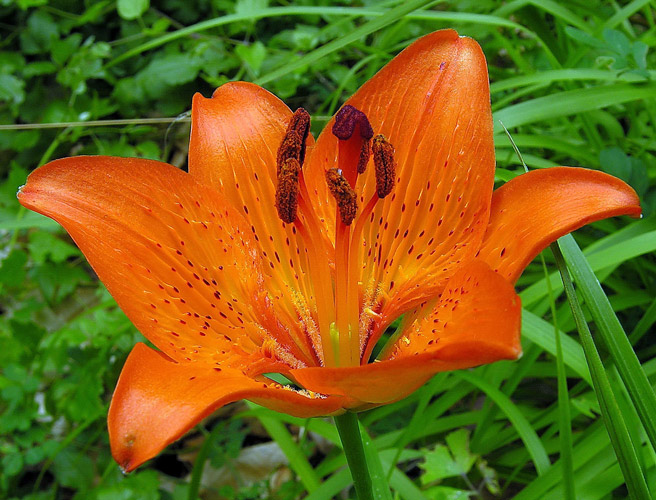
[[132, 9], [73, 469]]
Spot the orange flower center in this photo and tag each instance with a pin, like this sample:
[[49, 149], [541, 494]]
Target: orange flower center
[[342, 326]]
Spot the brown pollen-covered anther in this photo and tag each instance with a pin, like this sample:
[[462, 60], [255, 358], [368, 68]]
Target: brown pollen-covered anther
[[300, 123], [383, 153], [287, 190], [289, 160], [289, 148], [344, 194], [365, 154], [293, 143]]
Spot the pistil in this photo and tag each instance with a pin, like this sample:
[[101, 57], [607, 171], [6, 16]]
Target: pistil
[[354, 132], [347, 206]]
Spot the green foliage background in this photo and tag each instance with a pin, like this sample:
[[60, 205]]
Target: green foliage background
[[572, 81]]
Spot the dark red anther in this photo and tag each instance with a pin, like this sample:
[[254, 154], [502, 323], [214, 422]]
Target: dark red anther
[[346, 120]]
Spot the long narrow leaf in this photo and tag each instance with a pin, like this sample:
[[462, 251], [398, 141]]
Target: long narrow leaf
[[297, 459], [617, 430], [620, 251], [369, 27], [522, 426], [570, 102], [640, 390], [564, 416]]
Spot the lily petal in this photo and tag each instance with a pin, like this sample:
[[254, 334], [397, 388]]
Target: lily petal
[[158, 400], [432, 103], [234, 141], [534, 209], [476, 321], [178, 259]]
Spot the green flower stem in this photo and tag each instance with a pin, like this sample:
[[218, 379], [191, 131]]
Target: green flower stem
[[349, 432]]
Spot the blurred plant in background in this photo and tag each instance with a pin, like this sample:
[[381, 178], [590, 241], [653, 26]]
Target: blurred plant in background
[[573, 83]]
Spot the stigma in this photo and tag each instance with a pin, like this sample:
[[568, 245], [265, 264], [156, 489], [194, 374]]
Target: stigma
[[356, 146]]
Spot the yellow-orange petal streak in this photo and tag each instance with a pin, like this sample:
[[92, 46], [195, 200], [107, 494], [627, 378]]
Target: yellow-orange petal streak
[[235, 136], [158, 400], [476, 321], [534, 209], [178, 259], [432, 104]]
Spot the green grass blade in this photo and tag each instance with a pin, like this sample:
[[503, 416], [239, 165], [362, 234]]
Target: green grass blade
[[564, 416], [592, 444], [640, 390], [331, 487], [558, 75], [297, 459], [201, 458], [620, 251], [645, 323], [378, 477], [569, 103], [522, 426], [615, 424], [625, 12], [540, 332], [405, 488], [557, 9], [374, 25], [234, 18], [489, 412]]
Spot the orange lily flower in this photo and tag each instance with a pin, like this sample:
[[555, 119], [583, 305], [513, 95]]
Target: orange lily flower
[[275, 254]]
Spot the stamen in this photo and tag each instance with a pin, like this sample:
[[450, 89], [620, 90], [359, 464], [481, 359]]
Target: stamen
[[300, 123], [365, 153], [383, 153], [293, 143], [287, 190], [344, 195], [345, 121], [289, 148]]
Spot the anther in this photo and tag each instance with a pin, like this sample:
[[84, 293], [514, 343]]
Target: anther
[[293, 143], [383, 153], [345, 121], [365, 153], [287, 190], [290, 148], [344, 195], [300, 123]]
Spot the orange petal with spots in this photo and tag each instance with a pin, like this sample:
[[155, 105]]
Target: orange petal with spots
[[534, 209], [432, 103], [158, 400], [234, 141], [178, 259], [476, 321]]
